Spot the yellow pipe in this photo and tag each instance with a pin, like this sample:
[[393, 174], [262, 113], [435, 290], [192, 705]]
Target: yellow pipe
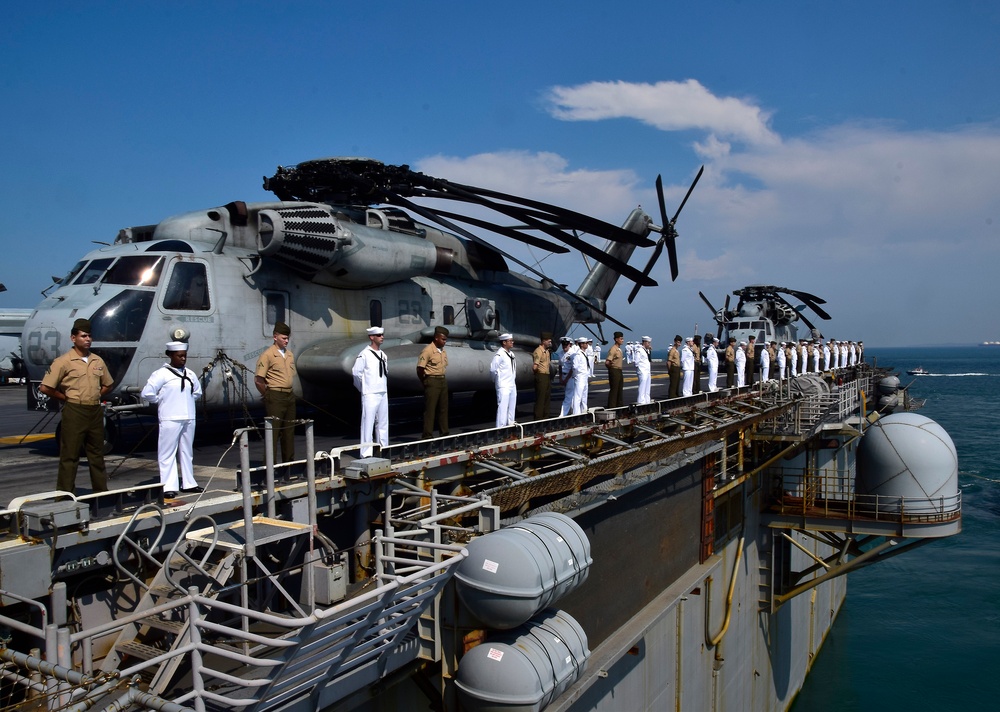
[[716, 639]]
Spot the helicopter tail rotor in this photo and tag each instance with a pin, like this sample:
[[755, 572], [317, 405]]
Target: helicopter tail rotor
[[668, 234]]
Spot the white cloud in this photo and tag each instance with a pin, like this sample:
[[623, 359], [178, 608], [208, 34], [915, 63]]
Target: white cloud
[[668, 106], [893, 227]]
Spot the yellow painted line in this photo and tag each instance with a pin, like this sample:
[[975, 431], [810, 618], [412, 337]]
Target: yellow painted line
[[22, 439]]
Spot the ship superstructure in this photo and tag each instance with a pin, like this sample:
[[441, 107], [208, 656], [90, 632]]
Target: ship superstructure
[[644, 558]]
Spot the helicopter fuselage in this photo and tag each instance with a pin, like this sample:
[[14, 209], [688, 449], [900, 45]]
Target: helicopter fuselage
[[220, 279]]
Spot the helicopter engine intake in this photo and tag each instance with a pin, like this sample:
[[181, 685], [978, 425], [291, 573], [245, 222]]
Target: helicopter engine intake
[[314, 243]]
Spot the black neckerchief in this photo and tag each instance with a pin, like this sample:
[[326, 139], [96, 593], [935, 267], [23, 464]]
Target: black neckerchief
[[182, 374], [383, 366]]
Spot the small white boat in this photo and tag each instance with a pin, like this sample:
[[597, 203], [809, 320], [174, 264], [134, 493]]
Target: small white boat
[[918, 371]]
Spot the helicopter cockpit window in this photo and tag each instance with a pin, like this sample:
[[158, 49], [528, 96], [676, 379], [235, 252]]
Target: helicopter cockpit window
[[187, 289], [141, 271], [93, 271], [123, 318], [170, 246], [73, 272], [449, 314]]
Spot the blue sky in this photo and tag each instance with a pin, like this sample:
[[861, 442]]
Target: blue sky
[[851, 149]]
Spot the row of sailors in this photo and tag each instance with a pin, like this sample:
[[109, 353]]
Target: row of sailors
[[578, 359], [791, 358], [684, 363]]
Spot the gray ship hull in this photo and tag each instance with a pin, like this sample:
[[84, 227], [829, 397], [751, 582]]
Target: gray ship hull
[[711, 536]]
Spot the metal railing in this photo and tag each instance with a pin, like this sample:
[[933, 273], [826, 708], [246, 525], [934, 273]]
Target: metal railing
[[830, 493]]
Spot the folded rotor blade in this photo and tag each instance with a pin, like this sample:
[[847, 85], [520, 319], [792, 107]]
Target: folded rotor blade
[[459, 230]]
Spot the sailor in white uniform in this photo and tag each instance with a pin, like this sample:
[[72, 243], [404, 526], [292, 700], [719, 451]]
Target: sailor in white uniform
[[371, 378], [687, 367], [503, 369], [834, 354], [765, 364], [173, 389], [793, 354], [566, 375], [641, 357], [817, 364], [712, 359], [741, 363], [585, 344], [826, 356], [781, 359]]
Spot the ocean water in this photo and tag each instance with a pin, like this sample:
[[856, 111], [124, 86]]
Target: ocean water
[[922, 631]]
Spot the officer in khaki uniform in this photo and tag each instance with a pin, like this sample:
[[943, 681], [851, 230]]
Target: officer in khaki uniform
[[674, 368], [541, 367], [614, 362], [730, 357], [79, 378], [432, 363], [274, 378]]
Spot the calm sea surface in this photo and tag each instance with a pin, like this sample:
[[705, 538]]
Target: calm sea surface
[[922, 631]]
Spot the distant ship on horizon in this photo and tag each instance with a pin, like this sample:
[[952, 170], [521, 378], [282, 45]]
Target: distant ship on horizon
[[990, 343]]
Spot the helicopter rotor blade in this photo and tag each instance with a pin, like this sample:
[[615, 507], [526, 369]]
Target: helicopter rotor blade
[[810, 300], [458, 229], [708, 303], [506, 232], [586, 248], [669, 234], [672, 238], [668, 231], [725, 315], [649, 266], [568, 218]]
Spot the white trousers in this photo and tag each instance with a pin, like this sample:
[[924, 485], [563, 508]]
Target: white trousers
[[687, 383], [643, 375], [506, 404], [765, 372], [176, 441], [374, 422], [713, 374]]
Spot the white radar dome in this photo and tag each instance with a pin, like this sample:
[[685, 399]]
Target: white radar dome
[[910, 462]]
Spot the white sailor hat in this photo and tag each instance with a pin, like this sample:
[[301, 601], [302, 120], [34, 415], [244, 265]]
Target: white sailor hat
[[506, 337], [177, 346], [743, 343], [782, 343], [375, 331], [690, 338], [566, 340], [582, 340], [647, 338]]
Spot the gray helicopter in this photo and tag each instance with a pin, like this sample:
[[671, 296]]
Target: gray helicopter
[[339, 251], [764, 313]]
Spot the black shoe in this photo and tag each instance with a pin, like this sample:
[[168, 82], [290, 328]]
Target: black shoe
[[192, 490], [169, 495]]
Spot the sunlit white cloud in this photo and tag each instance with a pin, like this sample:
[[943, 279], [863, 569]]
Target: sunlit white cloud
[[668, 106], [848, 211]]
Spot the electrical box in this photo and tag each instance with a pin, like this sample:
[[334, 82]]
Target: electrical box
[[48, 517], [367, 467]]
